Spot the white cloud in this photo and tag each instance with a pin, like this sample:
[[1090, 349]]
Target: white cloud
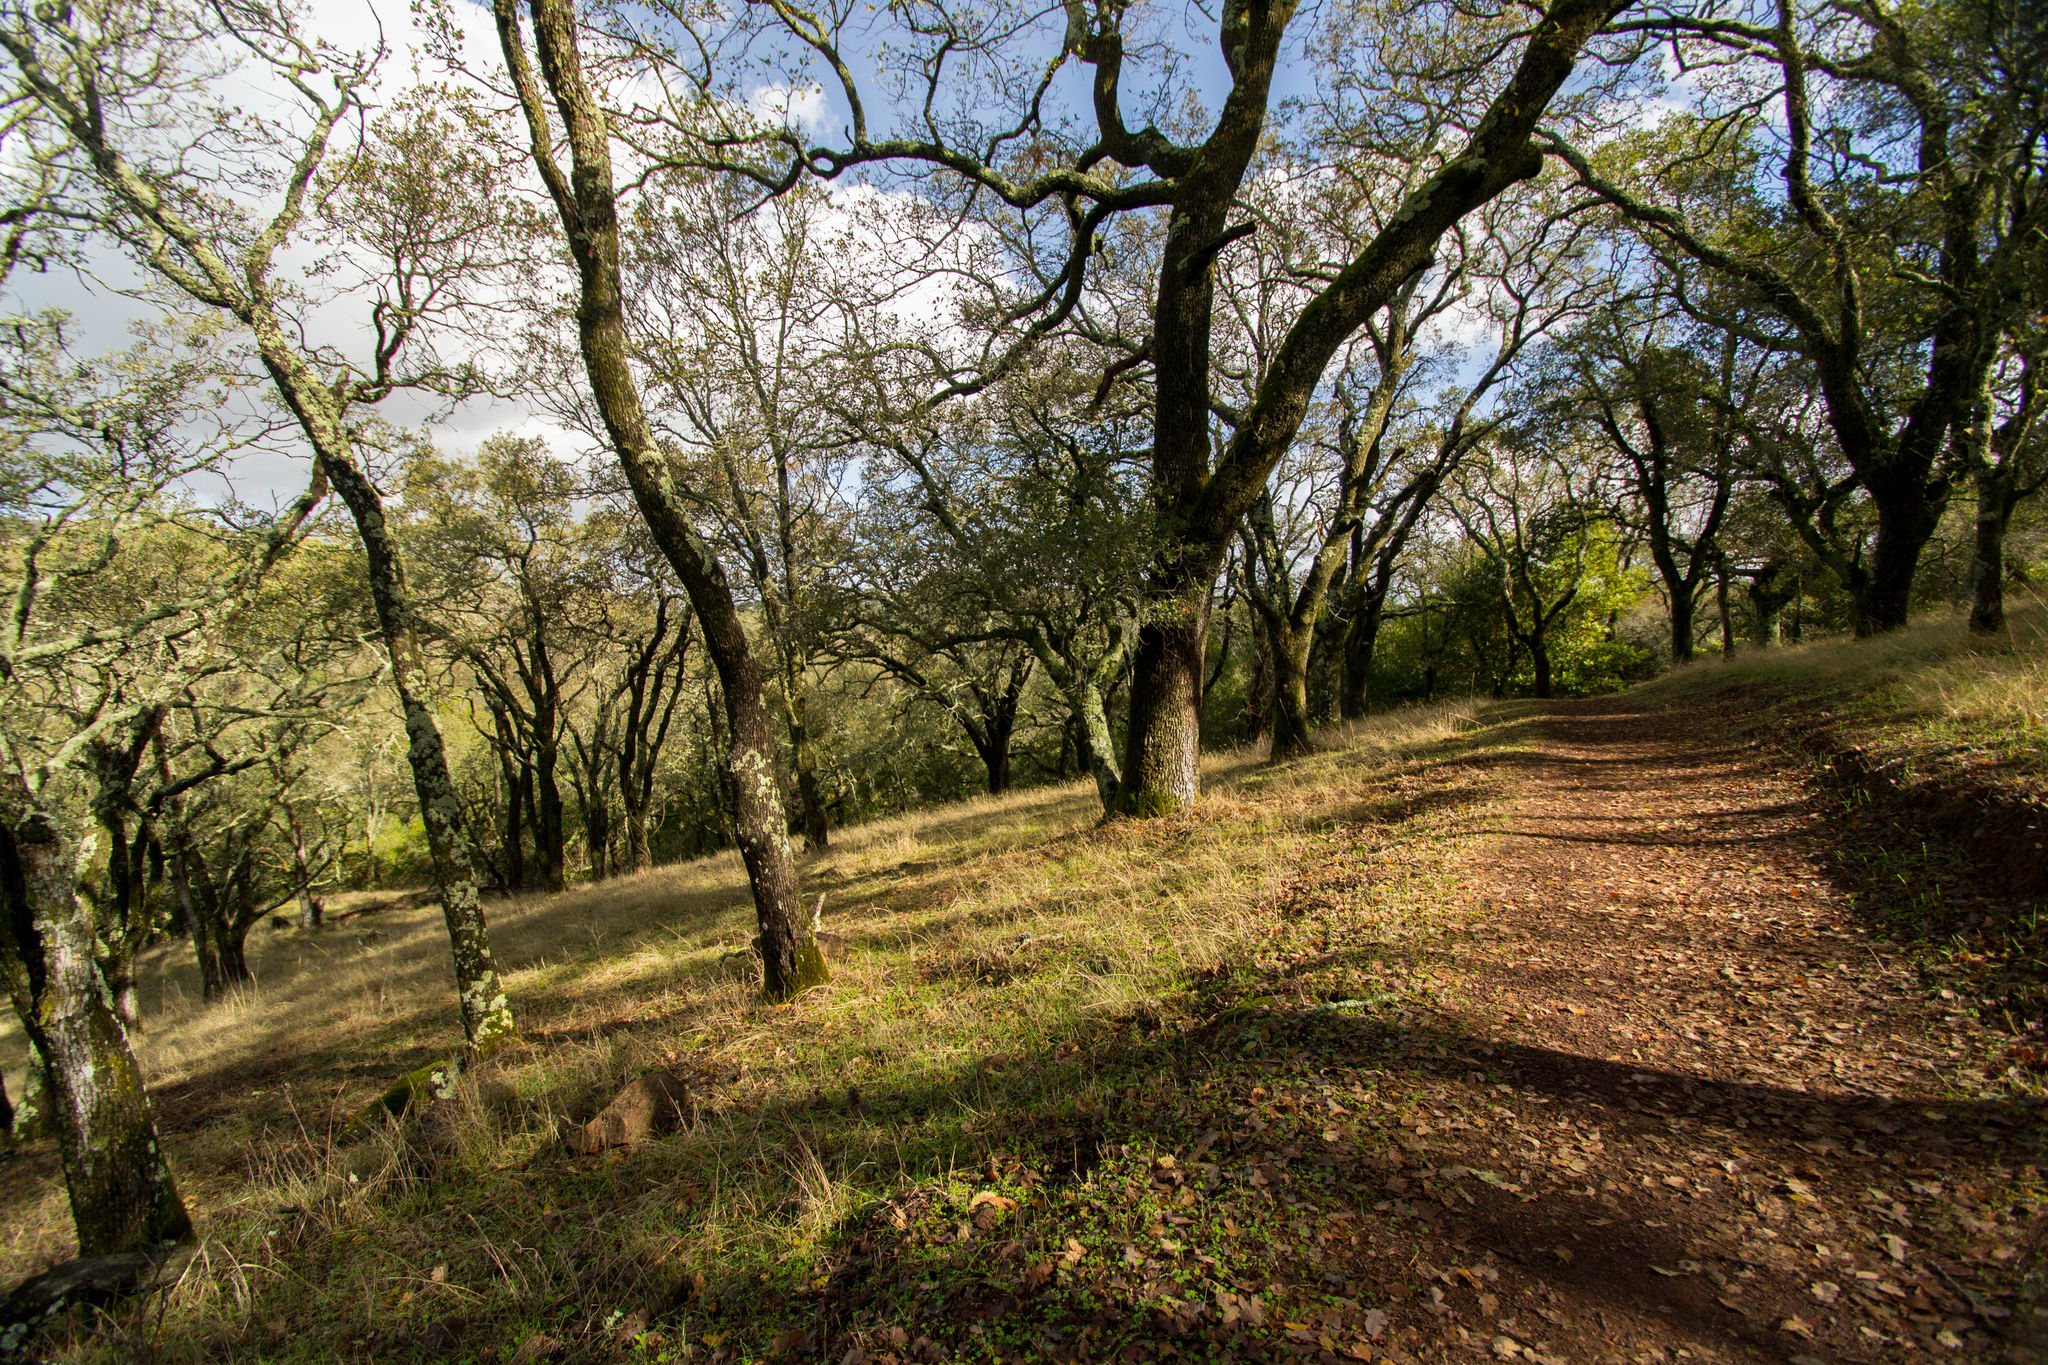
[[782, 106]]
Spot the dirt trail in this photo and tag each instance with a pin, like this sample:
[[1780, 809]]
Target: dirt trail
[[1735, 1126]]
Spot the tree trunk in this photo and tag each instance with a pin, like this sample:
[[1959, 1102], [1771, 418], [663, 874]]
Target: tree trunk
[[1770, 614], [1727, 617], [1359, 643], [1095, 746], [1539, 656], [597, 830], [587, 202], [118, 971], [810, 801], [996, 758], [1290, 694], [486, 1013], [310, 912], [1987, 555], [639, 857], [210, 984], [550, 837], [234, 911], [122, 1195], [1906, 520], [232, 948], [1162, 769], [519, 818], [1681, 599]]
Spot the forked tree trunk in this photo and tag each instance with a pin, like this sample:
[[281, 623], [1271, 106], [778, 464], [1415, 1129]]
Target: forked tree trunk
[[1906, 521], [1359, 643], [654, 687], [122, 1195], [234, 911], [1202, 498], [587, 202]]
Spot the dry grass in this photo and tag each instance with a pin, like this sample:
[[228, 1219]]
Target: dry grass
[[1934, 696], [989, 942]]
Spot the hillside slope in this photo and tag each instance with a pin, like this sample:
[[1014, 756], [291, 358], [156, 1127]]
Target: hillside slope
[[1560, 1032]]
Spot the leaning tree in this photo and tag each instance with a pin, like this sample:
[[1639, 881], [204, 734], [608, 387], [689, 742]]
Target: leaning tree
[[977, 126], [276, 224]]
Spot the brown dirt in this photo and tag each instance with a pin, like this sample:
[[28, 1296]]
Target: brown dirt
[[1727, 1123]]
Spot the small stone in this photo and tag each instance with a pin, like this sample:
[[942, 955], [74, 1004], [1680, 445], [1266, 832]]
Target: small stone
[[656, 1104]]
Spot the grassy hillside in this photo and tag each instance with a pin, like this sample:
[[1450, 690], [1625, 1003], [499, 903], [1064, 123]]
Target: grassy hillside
[[1009, 967], [1932, 705], [1017, 1087]]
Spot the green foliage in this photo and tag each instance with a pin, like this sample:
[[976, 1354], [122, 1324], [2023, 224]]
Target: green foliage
[[1455, 639]]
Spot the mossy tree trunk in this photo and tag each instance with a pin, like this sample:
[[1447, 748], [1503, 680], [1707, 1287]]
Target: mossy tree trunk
[[586, 200], [2008, 464], [123, 1197], [486, 1013], [1987, 552], [231, 272], [1201, 500]]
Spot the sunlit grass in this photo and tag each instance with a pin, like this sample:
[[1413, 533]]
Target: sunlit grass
[[1933, 694], [977, 932]]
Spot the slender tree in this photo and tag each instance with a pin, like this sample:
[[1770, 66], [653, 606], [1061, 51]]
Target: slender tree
[[86, 669], [586, 200], [415, 213]]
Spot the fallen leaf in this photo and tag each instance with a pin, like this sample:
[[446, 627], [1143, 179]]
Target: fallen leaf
[[1796, 1326], [1825, 1290], [1895, 1246]]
